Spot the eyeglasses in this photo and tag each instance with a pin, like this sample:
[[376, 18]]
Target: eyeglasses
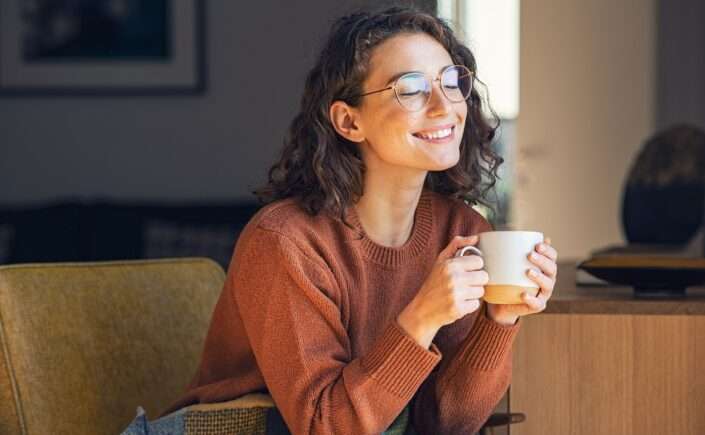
[[413, 90]]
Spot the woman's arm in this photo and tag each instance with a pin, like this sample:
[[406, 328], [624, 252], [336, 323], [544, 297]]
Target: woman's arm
[[288, 303], [476, 370], [462, 392]]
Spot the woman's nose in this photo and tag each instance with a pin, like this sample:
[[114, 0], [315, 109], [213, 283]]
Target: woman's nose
[[438, 104]]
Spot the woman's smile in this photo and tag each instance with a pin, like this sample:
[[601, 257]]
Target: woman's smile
[[438, 135]]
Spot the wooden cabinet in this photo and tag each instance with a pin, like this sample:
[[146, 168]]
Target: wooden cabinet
[[595, 363], [610, 374]]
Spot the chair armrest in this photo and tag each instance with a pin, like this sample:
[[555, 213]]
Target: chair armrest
[[253, 413], [254, 400]]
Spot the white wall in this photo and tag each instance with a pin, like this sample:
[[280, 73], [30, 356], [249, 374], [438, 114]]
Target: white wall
[[217, 146], [587, 102]]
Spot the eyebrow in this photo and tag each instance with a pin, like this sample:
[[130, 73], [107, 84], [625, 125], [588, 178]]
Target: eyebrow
[[397, 75]]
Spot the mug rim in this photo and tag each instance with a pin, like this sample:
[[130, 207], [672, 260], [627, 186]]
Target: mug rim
[[512, 231]]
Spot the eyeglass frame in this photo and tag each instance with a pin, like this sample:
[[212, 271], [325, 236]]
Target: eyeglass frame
[[436, 79]]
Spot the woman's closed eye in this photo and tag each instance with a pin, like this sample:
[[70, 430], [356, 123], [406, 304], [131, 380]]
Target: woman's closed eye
[[451, 82], [410, 92], [411, 85]]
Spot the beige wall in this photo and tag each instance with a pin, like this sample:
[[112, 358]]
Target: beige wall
[[587, 101]]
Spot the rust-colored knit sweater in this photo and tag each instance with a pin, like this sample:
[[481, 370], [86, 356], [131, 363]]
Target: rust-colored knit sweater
[[308, 314]]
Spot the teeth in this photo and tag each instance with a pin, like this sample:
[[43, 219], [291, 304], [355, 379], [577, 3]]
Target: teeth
[[439, 134]]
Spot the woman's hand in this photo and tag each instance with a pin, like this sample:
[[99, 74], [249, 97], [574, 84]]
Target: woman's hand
[[452, 290], [544, 257]]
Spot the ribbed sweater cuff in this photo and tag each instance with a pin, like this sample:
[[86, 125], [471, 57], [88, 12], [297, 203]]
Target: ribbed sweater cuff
[[488, 343], [399, 363]]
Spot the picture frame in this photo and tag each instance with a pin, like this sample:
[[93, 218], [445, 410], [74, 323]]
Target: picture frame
[[127, 48]]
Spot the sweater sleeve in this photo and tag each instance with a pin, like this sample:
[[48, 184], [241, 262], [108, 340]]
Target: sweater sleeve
[[460, 395], [462, 392], [289, 305]]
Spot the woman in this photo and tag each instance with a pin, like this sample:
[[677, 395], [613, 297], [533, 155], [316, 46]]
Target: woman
[[344, 299]]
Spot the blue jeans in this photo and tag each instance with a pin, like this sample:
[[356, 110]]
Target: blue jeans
[[172, 424]]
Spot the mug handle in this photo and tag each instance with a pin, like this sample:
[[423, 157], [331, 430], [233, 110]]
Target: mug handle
[[461, 252]]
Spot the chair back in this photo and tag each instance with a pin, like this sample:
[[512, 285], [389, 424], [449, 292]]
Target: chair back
[[83, 344]]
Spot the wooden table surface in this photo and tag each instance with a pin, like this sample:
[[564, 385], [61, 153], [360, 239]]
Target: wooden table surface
[[571, 298]]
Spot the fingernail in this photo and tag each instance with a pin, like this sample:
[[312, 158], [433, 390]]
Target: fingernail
[[534, 256], [532, 272], [542, 248]]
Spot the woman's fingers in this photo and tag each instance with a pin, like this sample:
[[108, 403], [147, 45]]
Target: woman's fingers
[[455, 244], [469, 263], [547, 265], [476, 278], [546, 249], [470, 293], [544, 282], [535, 303], [470, 305]]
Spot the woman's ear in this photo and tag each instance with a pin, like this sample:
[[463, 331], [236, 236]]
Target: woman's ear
[[346, 121]]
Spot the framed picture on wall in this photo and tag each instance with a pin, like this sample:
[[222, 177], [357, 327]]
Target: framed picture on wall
[[101, 47]]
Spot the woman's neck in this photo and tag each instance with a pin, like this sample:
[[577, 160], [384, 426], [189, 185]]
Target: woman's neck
[[386, 210]]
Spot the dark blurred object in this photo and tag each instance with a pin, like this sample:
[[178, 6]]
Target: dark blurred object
[[96, 29], [669, 214], [664, 196], [663, 214], [88, 48], [103, 230], [501, 420]]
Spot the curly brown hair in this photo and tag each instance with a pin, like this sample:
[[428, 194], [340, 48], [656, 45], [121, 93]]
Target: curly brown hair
[[323, 170]]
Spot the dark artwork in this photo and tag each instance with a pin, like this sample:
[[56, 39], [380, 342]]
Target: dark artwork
[[66, 30]]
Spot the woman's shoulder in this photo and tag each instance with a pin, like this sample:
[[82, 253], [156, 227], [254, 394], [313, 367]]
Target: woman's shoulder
[[280, 214], [287, 220], [282, 235], [290, 217]]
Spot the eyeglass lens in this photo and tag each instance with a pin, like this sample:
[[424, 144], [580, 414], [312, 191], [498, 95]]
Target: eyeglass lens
[[414, 89]]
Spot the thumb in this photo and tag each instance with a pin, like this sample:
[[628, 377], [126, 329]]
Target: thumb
[[458, 242]]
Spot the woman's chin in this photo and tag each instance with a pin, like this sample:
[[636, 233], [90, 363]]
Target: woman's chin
[[439, 168], [443, 162]]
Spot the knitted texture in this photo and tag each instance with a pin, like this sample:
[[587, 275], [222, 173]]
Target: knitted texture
[[308, 313]]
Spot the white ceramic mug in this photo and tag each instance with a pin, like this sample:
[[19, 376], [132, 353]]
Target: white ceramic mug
[[505, 254]]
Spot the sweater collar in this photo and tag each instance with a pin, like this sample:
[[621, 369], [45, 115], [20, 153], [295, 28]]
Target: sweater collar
[[418, 241]]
